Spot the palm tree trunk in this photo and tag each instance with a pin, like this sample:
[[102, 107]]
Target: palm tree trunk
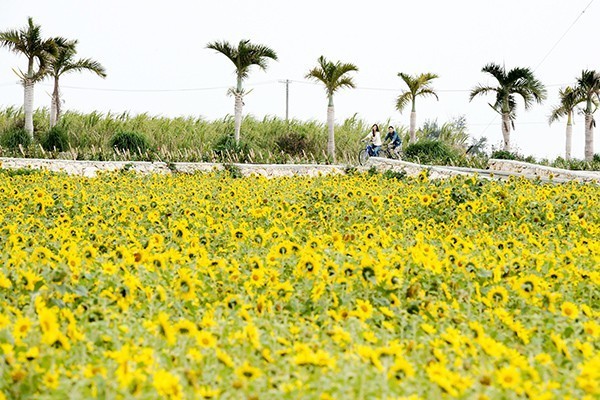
[[506, 130], [330, 128], [413, 126], [28, 100], [238, 109], [568, 137], [589, 137], [54, 104], [238, 116], [28, 106]]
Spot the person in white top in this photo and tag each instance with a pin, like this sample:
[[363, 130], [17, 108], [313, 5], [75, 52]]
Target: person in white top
[[375, 138]]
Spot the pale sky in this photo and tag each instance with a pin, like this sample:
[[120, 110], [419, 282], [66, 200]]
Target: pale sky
[[161, 45]]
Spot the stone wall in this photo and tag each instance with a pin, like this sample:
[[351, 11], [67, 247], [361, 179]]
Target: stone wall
[[412, 169], [91, 168], [85, 168], [535, 170], [501, 168]]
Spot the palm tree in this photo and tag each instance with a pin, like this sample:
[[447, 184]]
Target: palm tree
[[588, 86], [29, 42], [516, 81], [243, 56], [64, 62], [334, 77], [569, 98], [418, 85]]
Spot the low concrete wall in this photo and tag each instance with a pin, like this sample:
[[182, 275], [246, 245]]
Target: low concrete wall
[[91, 168], [268, 170], [85, 168], [412, 169], [503, 168], [535, 170]]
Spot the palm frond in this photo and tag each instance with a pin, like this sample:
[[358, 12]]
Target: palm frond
[[332, 75], [85, 64], [496, 71], [481, 90], [410, 81], [588, 86], [346, 82], [426, 78], [557, 113], [403, 100], [30, 43], [11, 39], [428, 92], [316, 74], [244, 55], [224, 48]]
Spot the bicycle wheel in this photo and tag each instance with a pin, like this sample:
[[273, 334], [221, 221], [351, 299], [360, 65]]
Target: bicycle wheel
[[384, 153], [363, 156], [394, 154]]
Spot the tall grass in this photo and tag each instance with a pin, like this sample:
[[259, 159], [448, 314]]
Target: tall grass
[[189, 138], [195, 139]]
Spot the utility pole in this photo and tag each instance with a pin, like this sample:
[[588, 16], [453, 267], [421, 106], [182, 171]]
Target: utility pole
[[287, 97]]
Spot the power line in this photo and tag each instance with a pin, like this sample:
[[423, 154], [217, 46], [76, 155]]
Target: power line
[[199, 89], [156, 90], [564, 34], [516, 124], [381, 89]]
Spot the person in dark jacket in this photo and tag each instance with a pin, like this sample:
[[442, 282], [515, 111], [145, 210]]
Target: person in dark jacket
[[395, 143]]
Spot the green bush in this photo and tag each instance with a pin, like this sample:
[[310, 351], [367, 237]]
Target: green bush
[[14, 137], [505, 155], [130, 141], [227, 150], [294, 143], [399, 175], [575, 164], [56, 139], [427, 151]]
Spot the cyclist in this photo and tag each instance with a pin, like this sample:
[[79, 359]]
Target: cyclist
[[395, 142], [375, 138]]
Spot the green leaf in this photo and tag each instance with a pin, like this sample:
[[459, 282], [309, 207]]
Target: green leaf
[[81, 291], [568, 332], [38, 285]]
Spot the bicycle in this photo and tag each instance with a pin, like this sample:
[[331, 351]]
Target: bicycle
[[366, 153], [385, 152]]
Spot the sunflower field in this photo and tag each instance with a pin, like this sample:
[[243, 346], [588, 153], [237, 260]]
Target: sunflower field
[[333, 287]]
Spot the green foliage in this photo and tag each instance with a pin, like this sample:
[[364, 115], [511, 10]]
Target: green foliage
[[195, 139], [373, 171], [18, 172], [399, 175], [192, 139], [294, 143], [504, 155], [453, 133], [333, 75], [427, 151], [131, 141], [350, 170], [233, 170], [56, 139], [226, 147], [244, 55], [507, 155], [15, 137], [576, 165]]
